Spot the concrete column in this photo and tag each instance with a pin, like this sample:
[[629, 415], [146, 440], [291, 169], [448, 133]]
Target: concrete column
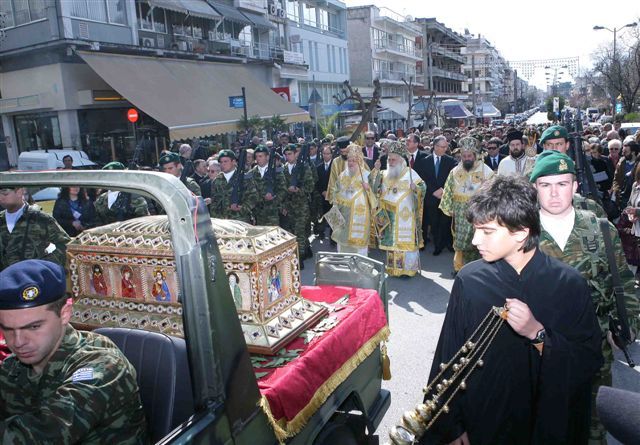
[[69, 129], [10, 139]]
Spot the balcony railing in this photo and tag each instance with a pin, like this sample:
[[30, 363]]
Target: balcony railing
[[390, 45], [393, 75]]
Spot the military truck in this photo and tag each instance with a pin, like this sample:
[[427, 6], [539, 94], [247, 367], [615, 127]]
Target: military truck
[[202, 389]]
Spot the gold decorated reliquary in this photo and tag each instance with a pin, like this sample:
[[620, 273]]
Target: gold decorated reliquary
[[123, 275]]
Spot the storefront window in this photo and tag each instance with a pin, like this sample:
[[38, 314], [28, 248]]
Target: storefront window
[[38, 131]]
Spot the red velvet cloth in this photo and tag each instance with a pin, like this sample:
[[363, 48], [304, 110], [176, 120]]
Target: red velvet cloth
[[291, 387]]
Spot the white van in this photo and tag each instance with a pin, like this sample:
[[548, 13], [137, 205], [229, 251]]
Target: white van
[[52, 160], [630, 127]]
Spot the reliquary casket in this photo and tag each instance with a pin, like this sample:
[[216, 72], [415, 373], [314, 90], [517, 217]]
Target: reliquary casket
[[124, 275]]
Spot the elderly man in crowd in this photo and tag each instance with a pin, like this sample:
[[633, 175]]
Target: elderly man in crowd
[[462, 183], [353, 199], [401, 194]]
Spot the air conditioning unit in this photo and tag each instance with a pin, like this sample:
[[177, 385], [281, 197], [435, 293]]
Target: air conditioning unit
[[272, 9], [280, 13], [148, 42]]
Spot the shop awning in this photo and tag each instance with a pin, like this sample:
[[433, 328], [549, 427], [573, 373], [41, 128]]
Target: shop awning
[[196, 8], [488, 110], [259, 20], [394, 106], [190, 97], [230, 13], [456, 112]]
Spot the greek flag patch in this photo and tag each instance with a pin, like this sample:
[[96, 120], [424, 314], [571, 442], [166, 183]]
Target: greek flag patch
[[82, 374]]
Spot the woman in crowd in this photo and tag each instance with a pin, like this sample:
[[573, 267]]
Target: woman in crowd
[[74, 211]]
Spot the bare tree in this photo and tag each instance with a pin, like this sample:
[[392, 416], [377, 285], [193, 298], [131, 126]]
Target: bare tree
[[352, 94], [619, 73]]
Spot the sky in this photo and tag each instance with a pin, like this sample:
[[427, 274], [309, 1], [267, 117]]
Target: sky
[[538, 29]]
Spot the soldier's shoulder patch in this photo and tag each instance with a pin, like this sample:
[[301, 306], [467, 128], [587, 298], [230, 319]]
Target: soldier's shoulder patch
[[82, 375]]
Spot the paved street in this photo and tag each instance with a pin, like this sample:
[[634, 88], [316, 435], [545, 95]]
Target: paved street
[[416, 311]]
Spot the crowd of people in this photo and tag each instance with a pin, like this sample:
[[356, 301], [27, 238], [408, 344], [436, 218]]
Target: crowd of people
[[446, 187]]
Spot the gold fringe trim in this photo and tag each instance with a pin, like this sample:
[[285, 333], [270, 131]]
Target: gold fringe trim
[[284, 429]]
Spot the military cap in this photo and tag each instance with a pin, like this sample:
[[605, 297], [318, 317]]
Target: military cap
[[290, 147], [261, 149], [227, 154], [343, 142], [554, 132], [169, 157], [514, 135], [114, 166], [551, 163], [468, 143], [31, 283]]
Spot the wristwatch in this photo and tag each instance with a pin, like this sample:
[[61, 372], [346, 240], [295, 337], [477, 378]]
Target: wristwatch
[[540, 336]]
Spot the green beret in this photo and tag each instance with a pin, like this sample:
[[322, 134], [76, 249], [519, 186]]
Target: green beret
[[290, 147], [554, 132], [227, 154], [31, 283], [261, 149], [169, 157], [115, 165], [551, 163]]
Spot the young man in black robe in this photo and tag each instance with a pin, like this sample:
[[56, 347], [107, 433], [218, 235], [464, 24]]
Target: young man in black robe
[[534, 385]]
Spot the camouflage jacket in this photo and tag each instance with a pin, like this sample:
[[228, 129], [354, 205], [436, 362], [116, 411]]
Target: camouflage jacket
[[220, 206], [585, 251], [279, 190], [294, 200], [87, 393], [192, 185], [580, 202], [36, 235], [120, 210]]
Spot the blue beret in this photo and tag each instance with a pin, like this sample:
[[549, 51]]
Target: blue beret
[[31, 283]]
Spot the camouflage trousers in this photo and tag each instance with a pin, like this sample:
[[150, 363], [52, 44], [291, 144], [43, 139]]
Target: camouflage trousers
[[296, 222], [597, 432], [267, 216]]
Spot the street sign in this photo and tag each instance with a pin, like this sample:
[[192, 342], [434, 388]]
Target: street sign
[[132, 115], [618, 108], [236, 102]]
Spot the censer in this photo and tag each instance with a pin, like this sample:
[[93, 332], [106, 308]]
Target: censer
[[452, 378]]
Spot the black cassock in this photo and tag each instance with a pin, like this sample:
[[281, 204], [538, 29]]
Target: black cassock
[[518, 396]]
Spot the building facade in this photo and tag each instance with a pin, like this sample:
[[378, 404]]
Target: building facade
[[384, 45], [52, 97]]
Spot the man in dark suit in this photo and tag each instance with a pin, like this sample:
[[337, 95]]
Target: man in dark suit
[[324, 171], [413, 145], [494, 156], [370, 151], [436, 168]]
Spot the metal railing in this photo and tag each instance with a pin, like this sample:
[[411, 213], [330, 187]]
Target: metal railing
[[391, 45]]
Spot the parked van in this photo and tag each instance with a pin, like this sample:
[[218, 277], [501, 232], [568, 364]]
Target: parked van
[[52, 160], [630, 127]]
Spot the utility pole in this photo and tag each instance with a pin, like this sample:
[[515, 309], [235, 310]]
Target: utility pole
[[515, 91], [410, 89], [430, 65], [473, 85]]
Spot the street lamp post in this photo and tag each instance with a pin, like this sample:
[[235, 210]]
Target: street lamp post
[[615, 54]]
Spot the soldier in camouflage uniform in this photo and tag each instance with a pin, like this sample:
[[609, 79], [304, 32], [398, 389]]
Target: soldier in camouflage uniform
[[573, 236], [267, 210], [113, 206], [295, 209], [170, 163], [222, 188], [60, 386], [28, 233]]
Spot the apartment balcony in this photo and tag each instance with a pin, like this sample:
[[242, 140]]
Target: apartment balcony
[[398, 49], [437, 50], [438, 72], [393, 76], [214, 43]]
